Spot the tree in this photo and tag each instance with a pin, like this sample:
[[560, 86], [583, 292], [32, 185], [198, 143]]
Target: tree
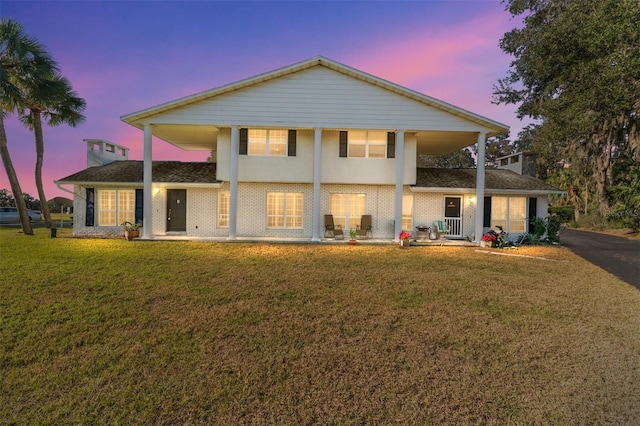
[[577, 71], [458, 159], [496, 147], [55, 100], [22, 59], [6, 198]]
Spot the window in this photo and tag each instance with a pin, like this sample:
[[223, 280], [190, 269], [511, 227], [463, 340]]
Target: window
[[347, 209], [367, 144], [407, 212], [116, 206], [284, 210], [510, 213], [223, 209], [268, 142]]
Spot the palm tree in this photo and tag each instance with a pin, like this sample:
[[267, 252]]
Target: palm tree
[[56, 101], [22, 59]]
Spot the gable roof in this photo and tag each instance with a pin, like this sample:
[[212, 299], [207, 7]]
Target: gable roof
[[131, 172], [136, 117], [496, 180]]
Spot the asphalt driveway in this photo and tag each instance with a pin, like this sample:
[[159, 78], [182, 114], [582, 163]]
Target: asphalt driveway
[[616, 255]]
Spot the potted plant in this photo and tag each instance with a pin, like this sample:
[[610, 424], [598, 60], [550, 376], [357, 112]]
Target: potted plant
[[405, 239], [352, 235], [488, 239], [131, 230]]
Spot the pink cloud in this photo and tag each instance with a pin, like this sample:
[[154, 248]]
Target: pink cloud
[[455, 63]]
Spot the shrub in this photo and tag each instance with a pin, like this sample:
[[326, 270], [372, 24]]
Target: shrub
[[565, 213]]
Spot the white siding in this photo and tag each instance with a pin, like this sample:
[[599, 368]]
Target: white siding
[[299, 169], [254, 168], [316, 97], [363, 171]]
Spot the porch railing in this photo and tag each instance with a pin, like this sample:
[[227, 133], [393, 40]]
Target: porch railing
[[455, 226]]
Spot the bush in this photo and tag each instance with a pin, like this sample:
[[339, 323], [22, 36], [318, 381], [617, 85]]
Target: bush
[[565, 213]]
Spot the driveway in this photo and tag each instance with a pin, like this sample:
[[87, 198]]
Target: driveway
[[616, 255]]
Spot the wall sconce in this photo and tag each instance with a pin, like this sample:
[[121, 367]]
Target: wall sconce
[[472, 200]]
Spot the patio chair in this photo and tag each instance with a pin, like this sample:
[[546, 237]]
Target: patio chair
[[330, 229], [364, 230], [441, 228]]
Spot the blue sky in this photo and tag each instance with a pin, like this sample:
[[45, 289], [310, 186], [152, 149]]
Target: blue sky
[[126, 56]]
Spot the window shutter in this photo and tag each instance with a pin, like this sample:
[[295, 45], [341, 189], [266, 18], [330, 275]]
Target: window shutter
[[533, 210], [487, 212], [291, 149], [343, 143], [244, 141], [89, 217], [139, 205], [391, 144]]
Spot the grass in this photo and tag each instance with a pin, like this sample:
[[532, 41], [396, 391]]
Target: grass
[[110, 331]]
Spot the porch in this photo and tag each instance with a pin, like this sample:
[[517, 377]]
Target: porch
[[326, 241]]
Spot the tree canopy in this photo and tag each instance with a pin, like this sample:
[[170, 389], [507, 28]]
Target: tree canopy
[[576, 70]]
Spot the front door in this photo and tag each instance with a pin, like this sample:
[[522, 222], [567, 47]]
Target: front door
[[453, 216], [176, 210]]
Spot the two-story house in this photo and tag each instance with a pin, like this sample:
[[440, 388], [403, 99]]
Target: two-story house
[[291, 145]]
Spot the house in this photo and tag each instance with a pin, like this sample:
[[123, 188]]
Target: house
[[291, 145]]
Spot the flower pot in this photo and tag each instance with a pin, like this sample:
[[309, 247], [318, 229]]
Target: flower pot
[[405, 243], [130, 235], [353, 242]]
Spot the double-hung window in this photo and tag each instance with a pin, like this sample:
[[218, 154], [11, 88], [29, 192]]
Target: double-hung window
[[510, 213], [284, 210], [116, 206], [268, 142], [223, 209], [367, 144], [347, 209]]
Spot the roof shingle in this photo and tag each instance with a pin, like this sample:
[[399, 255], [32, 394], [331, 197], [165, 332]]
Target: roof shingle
[[130, 171], [495, 179]]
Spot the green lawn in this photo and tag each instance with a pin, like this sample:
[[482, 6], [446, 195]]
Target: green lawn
[[105, 331]]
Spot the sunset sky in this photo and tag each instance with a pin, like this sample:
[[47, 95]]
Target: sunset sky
[[126, 56]]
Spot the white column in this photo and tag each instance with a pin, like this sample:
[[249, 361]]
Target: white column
[[480, 187], [399, 184], [233, 182], [147, 196], [317, 176]]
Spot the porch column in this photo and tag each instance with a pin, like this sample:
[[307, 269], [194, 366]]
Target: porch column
[[147, 196], [317, 175], [480, 188], [233, 182], [399, 184]]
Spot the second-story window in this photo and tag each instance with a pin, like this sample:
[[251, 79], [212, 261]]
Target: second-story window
[[367, 144], [267, 142]]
